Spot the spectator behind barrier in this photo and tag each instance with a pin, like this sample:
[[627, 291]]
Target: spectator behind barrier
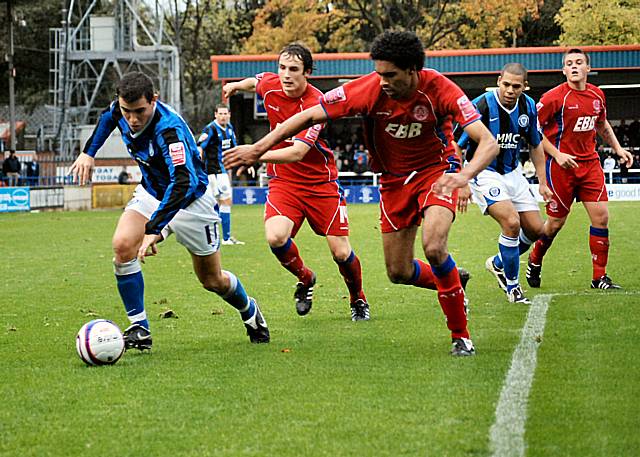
[[11, 169]]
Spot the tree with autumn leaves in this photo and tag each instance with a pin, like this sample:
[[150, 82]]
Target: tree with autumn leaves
[[349, 25], [207, 27]]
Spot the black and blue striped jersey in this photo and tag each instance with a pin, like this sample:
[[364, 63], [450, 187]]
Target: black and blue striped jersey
[[214, 141], [167, 155], [509, 127]]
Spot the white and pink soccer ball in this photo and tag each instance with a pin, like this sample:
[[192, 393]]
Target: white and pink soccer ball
[[100, 342]]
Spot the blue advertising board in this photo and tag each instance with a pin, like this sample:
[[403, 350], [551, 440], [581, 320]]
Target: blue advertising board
[[249, 195], [14, 199], [362, 194], [258, 195]]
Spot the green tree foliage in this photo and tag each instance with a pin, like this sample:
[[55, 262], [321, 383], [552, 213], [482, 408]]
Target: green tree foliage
[[493, 23], [31, 50], [593, 22], [540, 29], [433, 20], [351, 25], [201, 28]]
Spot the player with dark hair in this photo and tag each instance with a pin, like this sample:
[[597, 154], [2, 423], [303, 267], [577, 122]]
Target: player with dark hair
[[172, 198], [408, 113], [215, 139], [303, 182], [571, 114], [501, 190]]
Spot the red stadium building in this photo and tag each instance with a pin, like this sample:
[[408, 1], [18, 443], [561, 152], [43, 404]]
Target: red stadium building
[[616, 69]]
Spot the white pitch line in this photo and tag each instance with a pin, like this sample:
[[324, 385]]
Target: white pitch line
[[507, 433], [611, 293]]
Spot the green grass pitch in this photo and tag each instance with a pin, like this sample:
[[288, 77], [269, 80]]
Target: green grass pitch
[[325, 386]]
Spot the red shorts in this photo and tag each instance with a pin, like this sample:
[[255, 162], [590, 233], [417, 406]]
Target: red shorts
[[322, 205], [403, 199], [585, 183]]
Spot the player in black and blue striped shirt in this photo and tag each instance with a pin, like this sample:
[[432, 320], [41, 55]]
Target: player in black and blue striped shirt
[[173, 197], [217, 137], [501, 190]]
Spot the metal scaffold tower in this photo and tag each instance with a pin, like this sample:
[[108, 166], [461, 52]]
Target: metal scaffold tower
[[92, 50]]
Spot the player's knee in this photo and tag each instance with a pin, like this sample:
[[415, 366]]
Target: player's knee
[[553, 227], [398, 275], [214, 283], [600, 220], [435, 252], [124, 248], [341, 254], [511, 226], [277, 240]]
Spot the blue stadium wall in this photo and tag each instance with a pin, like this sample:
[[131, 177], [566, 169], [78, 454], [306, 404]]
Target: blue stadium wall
[[449, 62]]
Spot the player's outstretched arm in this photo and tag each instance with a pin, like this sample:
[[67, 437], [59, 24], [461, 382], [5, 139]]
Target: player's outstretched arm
[[606, 133], [486, 151], [291, 154], [246, 85], [82, 169], [562, 159], [249, 154], [537, 157]]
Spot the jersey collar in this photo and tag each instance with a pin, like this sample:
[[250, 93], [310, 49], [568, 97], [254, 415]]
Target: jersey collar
[[495, 94]]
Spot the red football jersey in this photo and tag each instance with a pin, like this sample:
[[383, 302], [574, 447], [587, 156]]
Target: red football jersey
[[318, 165], [404, 135], [569, 118]]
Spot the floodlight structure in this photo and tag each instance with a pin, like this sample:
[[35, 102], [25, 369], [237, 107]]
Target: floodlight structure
[[92, 50]]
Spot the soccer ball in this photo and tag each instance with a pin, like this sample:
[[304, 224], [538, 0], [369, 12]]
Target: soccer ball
[[100, 342]]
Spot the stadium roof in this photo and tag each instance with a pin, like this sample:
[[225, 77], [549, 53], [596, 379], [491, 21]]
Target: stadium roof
[[458, 62]]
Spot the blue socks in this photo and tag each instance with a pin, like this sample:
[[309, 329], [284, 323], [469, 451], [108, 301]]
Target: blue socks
[[510, 259], [131, 287], [237, 297], [225, 216], [525, 243]]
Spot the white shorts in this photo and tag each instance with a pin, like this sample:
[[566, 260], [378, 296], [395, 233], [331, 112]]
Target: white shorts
[[221, 186], [490, 187], [195, 226]]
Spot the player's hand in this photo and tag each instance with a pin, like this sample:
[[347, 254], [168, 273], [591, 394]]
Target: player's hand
[[82, 169], [148, 246], [245, 155], [566, 161], [464, 197], [229, 90], [449, 182], [625, 157], [545, 192]]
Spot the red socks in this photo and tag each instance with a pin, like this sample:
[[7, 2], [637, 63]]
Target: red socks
[[540, 248], [423, 275], [289, 257], [599, 246], [451, 297]]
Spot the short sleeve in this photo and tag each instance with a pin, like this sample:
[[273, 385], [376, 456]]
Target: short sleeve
[[454, 101], [265, 80], [352, 98], [545, 109]]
